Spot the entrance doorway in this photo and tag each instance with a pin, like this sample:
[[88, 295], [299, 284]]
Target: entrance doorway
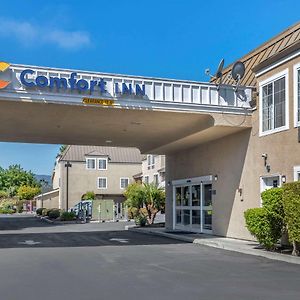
[[193, 204]]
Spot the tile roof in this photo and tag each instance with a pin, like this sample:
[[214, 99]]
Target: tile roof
[[116, 154], [270, 48]]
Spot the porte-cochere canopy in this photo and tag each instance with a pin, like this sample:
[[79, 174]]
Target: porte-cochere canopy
[[47, 105]]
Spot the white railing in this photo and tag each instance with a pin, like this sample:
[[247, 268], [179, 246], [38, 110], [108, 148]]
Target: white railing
[[119, 88]]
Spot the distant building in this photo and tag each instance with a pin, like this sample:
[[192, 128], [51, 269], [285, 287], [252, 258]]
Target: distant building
[[153, 170], [106, 171]]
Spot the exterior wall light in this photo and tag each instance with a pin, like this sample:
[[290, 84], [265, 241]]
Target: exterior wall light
[[216, 177], [283, 179]]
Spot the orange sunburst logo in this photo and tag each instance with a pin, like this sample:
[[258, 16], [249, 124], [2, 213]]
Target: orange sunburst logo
[[3, 66]]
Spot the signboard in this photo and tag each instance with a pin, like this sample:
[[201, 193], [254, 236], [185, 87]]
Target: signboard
[[104, 102], [29, 79]]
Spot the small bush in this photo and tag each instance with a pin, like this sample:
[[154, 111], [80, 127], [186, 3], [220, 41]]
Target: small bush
[[89, 196], [261, 225], [39, 211], [54, 213], [67, 216], [273, 203], [140, 220], [45, 212], [4, 210]]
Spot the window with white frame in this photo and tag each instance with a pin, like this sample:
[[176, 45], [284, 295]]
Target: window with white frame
[[273, 104], [124, 181], [297, 173], [297, 94], [102, 164], [151, 161], [155, 179], [146, 179], [91, 163], [102, 183]]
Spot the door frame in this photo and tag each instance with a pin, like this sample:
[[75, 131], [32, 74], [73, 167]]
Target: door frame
[[202, 180]]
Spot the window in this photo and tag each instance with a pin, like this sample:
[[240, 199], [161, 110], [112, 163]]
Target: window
[[273, 104], [155, 179], [297, 94], [124, 182], [146, 179], [102, 183], [151, 161], [91, 163], [297, 173], [102, 164]]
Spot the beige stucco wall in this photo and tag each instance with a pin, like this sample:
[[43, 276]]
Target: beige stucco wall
[[56, 172], [49, 201], [82, 180], [159, 162], [237, 160]]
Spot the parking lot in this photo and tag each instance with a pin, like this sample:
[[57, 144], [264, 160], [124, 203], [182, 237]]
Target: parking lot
[[102, 261]]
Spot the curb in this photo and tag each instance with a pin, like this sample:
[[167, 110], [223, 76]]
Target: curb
[[163, 234], [221, 245], [58, 222]]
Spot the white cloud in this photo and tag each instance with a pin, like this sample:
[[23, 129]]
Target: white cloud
[[23, 31], [28, 34], [72, 39]]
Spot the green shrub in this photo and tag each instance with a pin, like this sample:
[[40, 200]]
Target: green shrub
[[260, 224], [54, 213], [291, 205], [140, 220], [4, 210], [3, 194], [132, 212], [39, 211], [45, 212], [267, 223], [67, 216], [89, 196], [273, 203]]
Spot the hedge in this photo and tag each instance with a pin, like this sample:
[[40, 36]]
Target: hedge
[[267, 222], [67, 216], [261, 225], [54, 213], [291, 205]]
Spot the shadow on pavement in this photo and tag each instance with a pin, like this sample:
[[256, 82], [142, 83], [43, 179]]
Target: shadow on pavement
[[21, 222], [81, 239]]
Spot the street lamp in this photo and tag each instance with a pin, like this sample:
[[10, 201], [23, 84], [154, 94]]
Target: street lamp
[[67, 165]]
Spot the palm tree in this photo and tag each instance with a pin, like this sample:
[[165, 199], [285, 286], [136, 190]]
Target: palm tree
[[154, 200]]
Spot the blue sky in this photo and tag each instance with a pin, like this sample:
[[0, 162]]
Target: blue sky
[[174, 39]]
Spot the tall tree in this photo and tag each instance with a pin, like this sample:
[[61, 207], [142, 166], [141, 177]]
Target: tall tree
[[12, 178]]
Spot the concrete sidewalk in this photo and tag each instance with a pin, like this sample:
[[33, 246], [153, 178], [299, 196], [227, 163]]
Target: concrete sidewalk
[[241, 246]]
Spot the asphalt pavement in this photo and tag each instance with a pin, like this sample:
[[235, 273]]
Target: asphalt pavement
[[102, 261]]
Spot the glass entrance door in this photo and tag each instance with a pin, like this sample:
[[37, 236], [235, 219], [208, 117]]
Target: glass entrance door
[[193, 207], [207, 207]]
